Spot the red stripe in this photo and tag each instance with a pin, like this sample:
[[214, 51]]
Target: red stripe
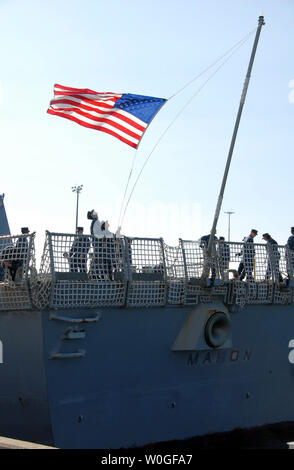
[[105, 120], [99, 128], [83, 90]]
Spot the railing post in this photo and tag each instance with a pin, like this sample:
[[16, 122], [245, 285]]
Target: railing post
[[50, 248], [124, 245], [185, 269], [27, 266], [273, 264], [289, 262], [164, 270]]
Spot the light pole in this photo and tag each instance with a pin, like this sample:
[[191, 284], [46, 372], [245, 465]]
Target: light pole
[[229, 224], [77, 189]]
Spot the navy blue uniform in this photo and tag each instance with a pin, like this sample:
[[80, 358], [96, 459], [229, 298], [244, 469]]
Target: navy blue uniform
[[290, 243], [290, 256], [20, 255], [247, 264], [78, 254], [273, 260], [15, 256], [224, 254]]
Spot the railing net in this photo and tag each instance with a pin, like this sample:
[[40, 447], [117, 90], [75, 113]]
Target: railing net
[[17, 271], [80, 271], [146, 272]]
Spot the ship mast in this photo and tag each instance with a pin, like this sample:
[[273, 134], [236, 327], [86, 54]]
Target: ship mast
[[229, 158]]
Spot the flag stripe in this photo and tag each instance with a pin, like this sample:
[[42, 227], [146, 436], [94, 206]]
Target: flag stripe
[[123, 132], [110, 119], [100, 128], [131, 119], [115, 123], [68, 105], [78, 102], [98, 102]]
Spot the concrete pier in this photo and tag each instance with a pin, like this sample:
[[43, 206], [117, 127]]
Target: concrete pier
[[7, 443]]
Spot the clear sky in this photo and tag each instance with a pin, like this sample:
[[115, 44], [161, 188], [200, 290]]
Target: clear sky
[[150, 47]]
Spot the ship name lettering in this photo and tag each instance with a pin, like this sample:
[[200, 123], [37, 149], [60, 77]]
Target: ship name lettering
[[234, 355], [218, 357], [291, 353]]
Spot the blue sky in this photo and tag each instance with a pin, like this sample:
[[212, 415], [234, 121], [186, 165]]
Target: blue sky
[[151, 48]]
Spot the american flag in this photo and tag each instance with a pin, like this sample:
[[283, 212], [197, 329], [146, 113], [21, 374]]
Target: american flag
[[122, 115]]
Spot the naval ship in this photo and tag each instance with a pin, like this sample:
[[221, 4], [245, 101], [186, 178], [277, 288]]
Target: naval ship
[[133, 343], [94, 360]]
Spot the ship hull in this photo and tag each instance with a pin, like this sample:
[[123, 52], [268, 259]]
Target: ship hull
[[118, 382]]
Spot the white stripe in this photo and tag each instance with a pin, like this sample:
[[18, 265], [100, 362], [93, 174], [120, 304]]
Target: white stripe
[[110, 116], [94, 105], [109, 100], [100, 95], [103, 124]]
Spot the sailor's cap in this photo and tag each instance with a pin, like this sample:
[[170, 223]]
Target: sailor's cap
[[79, 229], [254, 231], [89, 214], [24, 230]]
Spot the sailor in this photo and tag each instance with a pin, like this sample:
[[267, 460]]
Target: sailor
[[95, 230], [95, 224], [204, 244], [224, 256], [6, 261], [108, 250], [290, 255], [78, 252], [15, 257], [273, 257], [104, 248], [247, 262]]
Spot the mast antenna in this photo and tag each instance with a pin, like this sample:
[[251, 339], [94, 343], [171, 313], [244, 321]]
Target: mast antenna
[[231, 149]]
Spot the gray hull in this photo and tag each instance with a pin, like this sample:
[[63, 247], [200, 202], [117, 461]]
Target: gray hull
[[125, 386]]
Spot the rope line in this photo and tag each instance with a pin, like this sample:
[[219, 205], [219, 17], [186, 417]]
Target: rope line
[[127, 185], [213, 63], [233, 50]]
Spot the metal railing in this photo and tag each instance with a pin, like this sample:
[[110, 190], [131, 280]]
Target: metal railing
[[82, 271], [17, 271]]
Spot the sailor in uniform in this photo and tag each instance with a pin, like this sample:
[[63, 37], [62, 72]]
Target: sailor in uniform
[[107, 250], [224, 256], [14, 257], [247, 262], [273, 257], [206, 259], [79, 252], [290, 255], [104, 245]]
